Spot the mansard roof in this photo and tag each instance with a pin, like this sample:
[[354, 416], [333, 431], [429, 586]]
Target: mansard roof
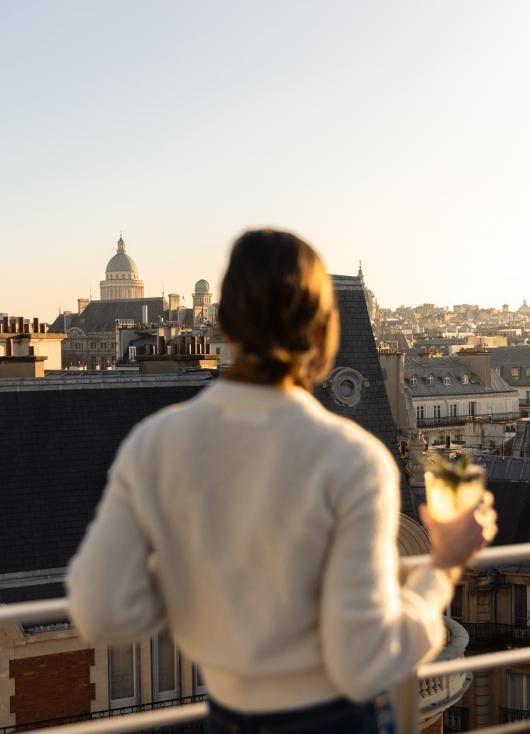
[[505, 358], [61, 440], [453, 367], [101, 316]]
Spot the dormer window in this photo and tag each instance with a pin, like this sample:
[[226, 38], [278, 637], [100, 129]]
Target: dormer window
[[413, 381], [447, 380], [465, 379], [430, 380]]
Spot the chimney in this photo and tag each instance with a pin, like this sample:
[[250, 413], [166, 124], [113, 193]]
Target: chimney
[[21, 345], [479, 362], [145, 314], [173, 304], [20, 324], [5, 324], [82, 303], [181, 348], [35, 325]]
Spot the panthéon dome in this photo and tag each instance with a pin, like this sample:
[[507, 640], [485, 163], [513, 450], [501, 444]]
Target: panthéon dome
[[122, 280]]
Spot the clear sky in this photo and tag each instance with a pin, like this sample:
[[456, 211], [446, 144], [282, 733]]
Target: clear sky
[[396, 131]]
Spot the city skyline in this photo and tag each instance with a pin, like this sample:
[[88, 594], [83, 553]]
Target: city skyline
[[185, 294], [391, 133]]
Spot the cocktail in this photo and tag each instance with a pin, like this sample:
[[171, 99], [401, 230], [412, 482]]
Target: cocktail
[[453, 487]]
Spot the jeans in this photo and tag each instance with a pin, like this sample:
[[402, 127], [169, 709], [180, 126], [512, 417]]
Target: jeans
[[337, 717]]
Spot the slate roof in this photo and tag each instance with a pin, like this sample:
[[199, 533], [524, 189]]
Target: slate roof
[[509, 480], [59, 445], [358, 350], [507, 357], [100, 316], [509, 469], [452, 366]]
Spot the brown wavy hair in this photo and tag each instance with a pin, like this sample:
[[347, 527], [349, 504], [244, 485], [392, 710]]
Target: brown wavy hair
[[277, 307]]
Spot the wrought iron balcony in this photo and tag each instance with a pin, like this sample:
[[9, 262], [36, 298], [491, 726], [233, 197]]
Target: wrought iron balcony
[[507, 715], [456, 719], [461, 420], [494, 635], [446, 420], [189, 728]]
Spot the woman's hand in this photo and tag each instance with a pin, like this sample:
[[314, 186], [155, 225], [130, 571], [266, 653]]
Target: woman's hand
[[456, 541]]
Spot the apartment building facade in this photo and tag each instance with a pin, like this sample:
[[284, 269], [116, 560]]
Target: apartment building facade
[[458, 398]]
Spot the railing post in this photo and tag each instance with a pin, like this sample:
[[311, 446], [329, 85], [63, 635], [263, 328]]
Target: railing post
[[405, 698]]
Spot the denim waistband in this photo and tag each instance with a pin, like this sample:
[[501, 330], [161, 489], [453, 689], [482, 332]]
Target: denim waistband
[[283, 722]]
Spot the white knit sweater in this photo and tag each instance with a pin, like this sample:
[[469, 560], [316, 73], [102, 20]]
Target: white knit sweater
[[262, 529]]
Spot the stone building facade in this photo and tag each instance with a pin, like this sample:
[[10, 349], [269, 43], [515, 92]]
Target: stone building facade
[[459, 398]]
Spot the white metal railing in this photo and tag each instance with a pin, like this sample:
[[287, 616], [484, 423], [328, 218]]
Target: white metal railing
[[52, 609]]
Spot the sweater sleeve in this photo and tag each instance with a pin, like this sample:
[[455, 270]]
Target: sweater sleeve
[[373, 631], [112, 593]]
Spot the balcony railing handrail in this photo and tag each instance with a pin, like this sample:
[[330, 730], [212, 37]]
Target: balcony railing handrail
[[455, 420], [48, 610], [53, 609]]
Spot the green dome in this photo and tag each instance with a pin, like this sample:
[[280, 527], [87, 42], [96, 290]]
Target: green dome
[[202, 286]]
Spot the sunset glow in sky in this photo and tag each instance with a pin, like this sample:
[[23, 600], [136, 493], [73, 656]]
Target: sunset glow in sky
[[394, 132]]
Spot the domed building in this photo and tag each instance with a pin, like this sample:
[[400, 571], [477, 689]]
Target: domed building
[[122, 280], [202, 304], [524, 309]]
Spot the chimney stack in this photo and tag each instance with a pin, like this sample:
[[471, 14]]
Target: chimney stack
[[173, 304], [21, 345], [479, 362]]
